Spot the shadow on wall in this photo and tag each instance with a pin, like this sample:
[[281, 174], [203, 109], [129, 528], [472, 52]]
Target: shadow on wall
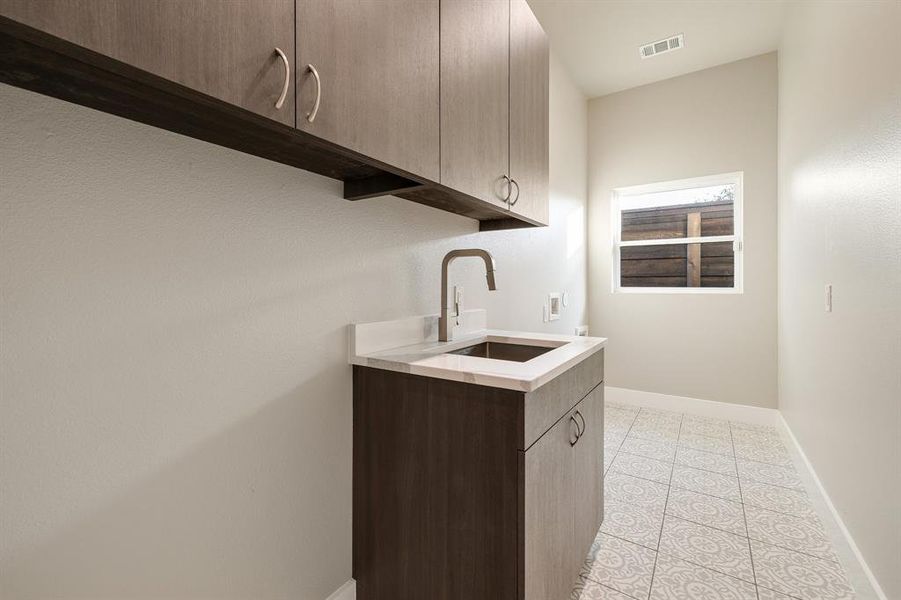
[[217, 522]]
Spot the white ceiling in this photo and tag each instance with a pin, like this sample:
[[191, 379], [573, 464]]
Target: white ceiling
[[598, 40]]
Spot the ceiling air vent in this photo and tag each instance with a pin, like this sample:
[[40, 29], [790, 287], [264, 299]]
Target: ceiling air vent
[[661, 46]]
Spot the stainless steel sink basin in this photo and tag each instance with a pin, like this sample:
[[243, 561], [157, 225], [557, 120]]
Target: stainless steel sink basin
[[502, 351]]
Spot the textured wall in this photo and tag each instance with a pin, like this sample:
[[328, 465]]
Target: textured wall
[[175, 416], [715, 347], [840, 223]]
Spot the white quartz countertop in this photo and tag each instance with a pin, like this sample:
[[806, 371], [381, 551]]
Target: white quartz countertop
[[411, 346]]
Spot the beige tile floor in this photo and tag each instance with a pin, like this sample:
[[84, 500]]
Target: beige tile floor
[[705, 509]]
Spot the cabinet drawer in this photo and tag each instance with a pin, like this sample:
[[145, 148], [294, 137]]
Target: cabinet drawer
[[544, 406]]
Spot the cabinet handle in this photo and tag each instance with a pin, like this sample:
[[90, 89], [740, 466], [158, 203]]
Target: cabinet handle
[[509, 188], [584, 424], [572, 442], [515, 199], [311, 116], [281, 99]]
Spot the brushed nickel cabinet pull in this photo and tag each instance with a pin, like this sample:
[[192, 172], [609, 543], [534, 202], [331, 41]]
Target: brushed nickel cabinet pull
[[584, 424], [516, 199], [509, 188], [311, 116], [572, 442], [281, 99]]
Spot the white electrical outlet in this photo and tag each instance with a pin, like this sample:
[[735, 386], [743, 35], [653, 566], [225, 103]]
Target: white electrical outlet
[[828, 298], [554, 306], [582, 330]]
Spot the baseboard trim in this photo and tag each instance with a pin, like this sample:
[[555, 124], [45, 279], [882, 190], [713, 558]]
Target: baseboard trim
[[348, 591], [694, 406], [858, 556]]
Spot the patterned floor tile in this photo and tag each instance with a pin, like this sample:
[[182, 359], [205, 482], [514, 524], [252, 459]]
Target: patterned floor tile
[[707, 547], [707, 510], [705, 420], [587, 589], [640, 492], [706, 443], [777, 498], [655, 435], [661, 414], [639, 466], [753, 427], [676, 579], [773, 455], [771, 474], [664, 451], [768, 594], [707, 461], [799, 575], [613, 405], [709, 429], [796, 533], [715, 484], [621, 565], [612, 443], [759, 438], [639, 524]]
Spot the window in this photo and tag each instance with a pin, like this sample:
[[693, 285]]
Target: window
[[679, 236]]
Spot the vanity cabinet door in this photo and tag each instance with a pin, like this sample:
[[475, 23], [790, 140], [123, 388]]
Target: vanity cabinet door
[[550, 562], [589, 467], [377, 87], [224, 49], [475, 98], [529, 72]]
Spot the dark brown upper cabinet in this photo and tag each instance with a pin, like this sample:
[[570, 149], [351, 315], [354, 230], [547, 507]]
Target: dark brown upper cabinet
[[475, 98], [529, 72], [494, 104], [367, 78], [440, 102], [224, 49]]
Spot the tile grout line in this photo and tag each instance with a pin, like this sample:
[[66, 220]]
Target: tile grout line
[[669, 487], [744, 517]]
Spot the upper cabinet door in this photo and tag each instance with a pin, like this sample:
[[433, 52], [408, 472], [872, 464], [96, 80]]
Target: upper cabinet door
[[475, 97], [223, 49], [529, 72], [377, 89]]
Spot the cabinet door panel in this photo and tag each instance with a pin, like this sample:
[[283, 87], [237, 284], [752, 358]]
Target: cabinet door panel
[[378, 65], [551, 564], [589, 467], [223, 49], [475, 97], [529, 72]]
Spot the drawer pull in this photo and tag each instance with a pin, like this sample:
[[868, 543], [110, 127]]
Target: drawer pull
[[573, 440], [584, 424]]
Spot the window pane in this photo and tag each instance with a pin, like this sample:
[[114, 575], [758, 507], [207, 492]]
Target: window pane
[[678, 265], [694, 212]]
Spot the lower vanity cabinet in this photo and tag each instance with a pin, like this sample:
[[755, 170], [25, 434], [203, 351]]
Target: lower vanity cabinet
[[563, 499], [469, 492]]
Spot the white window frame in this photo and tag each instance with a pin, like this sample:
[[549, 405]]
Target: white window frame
[[621, 194]]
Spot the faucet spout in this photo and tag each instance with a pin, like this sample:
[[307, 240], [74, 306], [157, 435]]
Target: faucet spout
[[444, 330]]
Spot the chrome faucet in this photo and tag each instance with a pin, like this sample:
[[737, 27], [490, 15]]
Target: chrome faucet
[[445, 333]]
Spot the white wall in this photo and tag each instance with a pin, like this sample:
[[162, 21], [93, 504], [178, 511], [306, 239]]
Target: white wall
[[714, 347], [175, 413], [840, 223]]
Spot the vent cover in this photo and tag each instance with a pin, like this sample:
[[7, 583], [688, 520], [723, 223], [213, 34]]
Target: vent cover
[[661, 46]]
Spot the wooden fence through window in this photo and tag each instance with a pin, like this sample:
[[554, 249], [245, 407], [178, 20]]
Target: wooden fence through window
[[678, 265]]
